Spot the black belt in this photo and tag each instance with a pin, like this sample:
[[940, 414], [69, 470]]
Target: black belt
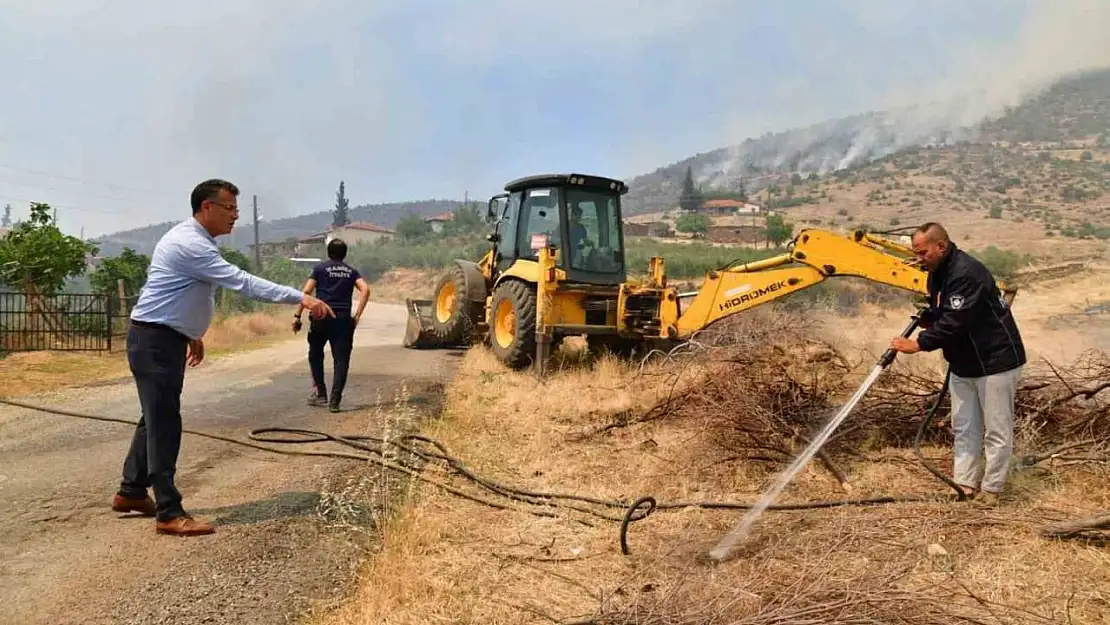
[[158, 326]]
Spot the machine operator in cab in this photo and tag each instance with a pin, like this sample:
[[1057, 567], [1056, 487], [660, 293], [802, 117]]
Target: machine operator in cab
[[334, 282]]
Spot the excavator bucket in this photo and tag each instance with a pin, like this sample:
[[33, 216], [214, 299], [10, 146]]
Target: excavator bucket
[[418, 329]]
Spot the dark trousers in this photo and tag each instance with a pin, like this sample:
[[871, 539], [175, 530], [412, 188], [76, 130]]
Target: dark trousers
[[157, 359], [340, 333]]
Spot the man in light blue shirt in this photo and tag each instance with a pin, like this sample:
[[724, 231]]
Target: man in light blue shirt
[[168, 324]]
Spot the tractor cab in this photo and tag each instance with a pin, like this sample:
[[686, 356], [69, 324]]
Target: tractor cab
[[578, 215]]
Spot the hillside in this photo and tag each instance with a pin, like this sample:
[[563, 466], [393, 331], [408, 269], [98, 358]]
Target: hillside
[[143, 239], [1034, 180], [1075, 110], [1053, 203]]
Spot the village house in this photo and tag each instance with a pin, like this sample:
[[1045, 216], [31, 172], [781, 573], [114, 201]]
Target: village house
[[737, 234], [438, 221], [647, 229], [737, 229], [727, 207], [286, 248], [315, 245]]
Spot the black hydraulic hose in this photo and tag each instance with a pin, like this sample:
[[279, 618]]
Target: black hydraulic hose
[[376, 456]]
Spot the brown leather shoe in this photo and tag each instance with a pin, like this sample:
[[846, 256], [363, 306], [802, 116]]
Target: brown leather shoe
[[183, 526], [144, 505]]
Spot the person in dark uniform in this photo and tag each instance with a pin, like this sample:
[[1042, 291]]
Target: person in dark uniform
[[972, 325], [334, 282]]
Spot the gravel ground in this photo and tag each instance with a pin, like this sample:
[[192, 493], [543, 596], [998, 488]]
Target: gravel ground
[[290, 532]]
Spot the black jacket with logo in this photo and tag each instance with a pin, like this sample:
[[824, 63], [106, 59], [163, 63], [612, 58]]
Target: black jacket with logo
[[968, 320]]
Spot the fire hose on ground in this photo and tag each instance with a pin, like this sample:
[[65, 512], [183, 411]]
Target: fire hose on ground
[[428, 450], [375, 446]]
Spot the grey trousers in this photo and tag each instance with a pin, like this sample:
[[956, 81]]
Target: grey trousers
[[983, 424]]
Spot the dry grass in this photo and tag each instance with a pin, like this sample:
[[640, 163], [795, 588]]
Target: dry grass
[[584, 431], [397, 284], [235, 333], [25, 373]]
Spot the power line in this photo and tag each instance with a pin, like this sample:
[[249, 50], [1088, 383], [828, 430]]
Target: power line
[[69, 206], [16, 183], [76, 179]]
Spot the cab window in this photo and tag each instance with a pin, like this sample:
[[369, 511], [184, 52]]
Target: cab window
[[507, 228], [539, 221], [595, 231]]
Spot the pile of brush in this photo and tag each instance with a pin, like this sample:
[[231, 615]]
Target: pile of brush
[[766, 385]]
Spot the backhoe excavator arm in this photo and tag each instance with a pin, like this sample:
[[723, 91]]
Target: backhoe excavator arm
[[814, 256]]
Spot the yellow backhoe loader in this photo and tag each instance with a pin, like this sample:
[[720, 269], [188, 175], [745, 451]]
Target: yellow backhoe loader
[[556, 268]]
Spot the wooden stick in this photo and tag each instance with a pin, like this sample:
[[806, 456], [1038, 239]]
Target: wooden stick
[[1069, 529]]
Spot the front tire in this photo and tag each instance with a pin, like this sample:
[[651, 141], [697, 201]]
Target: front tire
[[453, 316], [512, 327]]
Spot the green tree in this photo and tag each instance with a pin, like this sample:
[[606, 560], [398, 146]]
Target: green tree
[[777, 230], [690, 198], [340, 216], [413, 228], [233, 300], [235, 257], [695, 223], [129, 266], [36, 257], [285, 271], [465, 220]]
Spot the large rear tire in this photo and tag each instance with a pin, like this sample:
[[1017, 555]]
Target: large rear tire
[[512, 326], [454, 317]]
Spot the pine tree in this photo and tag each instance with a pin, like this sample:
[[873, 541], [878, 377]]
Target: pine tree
[[339, 215], [690, 198]]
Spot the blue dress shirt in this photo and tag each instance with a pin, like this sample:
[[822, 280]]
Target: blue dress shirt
[[185, 269]]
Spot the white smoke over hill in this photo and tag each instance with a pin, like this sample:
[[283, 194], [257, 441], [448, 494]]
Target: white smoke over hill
[[1055, 39]]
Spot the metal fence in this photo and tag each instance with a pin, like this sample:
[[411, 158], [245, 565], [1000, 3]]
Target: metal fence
[[62, 322]]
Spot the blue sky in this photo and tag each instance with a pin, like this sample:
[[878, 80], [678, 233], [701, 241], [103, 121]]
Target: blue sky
[[112, 113]]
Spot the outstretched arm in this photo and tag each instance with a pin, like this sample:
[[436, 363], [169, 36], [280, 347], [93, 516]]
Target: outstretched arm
[[208, 265]]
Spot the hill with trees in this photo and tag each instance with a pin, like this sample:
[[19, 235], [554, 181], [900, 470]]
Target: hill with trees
[[1033, 179]]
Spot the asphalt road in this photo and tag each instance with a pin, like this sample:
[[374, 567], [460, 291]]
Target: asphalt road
[[290, 532]]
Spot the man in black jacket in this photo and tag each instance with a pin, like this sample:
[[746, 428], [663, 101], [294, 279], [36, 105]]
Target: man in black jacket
[[971, 323]]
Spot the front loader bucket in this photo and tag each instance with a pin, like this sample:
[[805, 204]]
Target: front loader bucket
[[418, 328]]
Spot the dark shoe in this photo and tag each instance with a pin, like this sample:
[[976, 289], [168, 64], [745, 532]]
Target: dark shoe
[[333, 407], [123, 504], [317, 400], [183, 526]]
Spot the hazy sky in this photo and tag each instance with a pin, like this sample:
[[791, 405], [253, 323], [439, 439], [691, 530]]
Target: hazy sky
[[113, 110]]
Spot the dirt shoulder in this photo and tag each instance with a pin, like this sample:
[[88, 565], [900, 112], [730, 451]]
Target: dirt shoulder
[[290, 530]]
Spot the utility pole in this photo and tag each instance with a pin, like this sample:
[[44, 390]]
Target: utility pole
[[257, 251]]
